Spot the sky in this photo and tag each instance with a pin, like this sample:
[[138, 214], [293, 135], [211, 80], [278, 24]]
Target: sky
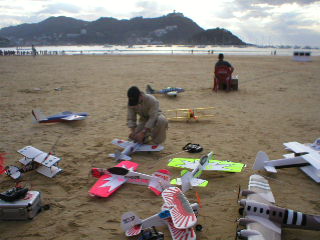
[[262, 22]]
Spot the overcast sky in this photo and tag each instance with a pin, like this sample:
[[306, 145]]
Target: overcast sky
[[286, 22]]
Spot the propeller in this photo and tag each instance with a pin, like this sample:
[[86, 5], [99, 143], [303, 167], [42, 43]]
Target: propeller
[[239, 191]]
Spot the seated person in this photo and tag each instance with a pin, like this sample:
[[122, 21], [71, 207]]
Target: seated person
[[223, 70], [151, 120]]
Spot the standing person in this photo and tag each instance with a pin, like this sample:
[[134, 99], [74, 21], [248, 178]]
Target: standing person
[[34, 51], [151, 121], [222, 72]]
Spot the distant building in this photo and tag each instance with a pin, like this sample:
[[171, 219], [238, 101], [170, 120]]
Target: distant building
[[302, 56]]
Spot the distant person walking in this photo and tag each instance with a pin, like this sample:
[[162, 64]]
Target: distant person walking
[[34, 51]]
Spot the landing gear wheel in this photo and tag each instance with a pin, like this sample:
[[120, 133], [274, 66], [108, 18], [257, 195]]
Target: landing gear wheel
[[198, 227]]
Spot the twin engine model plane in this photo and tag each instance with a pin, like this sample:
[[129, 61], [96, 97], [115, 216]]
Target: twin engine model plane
[[35, 159], [111, 179], [131, 147], [190, 179], [189, 114], [169, 91], [177, 213], [305, 156], [263, 220], [60, 117]]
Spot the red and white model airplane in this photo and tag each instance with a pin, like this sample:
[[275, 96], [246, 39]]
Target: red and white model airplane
[[263, 220], [111, 179], [305, 156], [131, 147], [176, 213]]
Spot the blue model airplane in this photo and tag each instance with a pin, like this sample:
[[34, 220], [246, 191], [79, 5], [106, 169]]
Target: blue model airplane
[[60, 117], [170, 91]]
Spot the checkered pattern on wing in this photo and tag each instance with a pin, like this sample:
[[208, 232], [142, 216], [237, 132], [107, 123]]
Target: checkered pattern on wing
[[181, 212]]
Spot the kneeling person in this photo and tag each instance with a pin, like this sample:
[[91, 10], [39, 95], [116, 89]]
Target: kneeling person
[[151, 120]]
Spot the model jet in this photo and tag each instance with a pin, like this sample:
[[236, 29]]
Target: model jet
[[131, 147], [263, 220], [305, 156], [60, 117], [169, 91], [35, 159], [190, 179], [111, 179], [176, 213]]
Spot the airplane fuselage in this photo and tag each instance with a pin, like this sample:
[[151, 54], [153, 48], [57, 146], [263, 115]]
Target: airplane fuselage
[[283, 216], [131, 149]]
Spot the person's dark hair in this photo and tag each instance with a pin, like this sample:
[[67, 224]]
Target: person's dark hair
[[133, 96], [221, 56]]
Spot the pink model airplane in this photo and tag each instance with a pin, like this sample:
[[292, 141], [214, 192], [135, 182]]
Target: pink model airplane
[[176, 213], [111, 179]]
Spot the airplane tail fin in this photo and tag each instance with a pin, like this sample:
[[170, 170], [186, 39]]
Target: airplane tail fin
[[131, 224], [38, 115], [186, 181], [150, 90], [120, 156], [156, 185], [260, 161]]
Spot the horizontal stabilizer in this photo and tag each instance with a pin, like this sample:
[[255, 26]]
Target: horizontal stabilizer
[[270, 169], [120, 156], [131, 224]]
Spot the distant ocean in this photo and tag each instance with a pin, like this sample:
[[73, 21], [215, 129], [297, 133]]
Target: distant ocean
[[162, 50]]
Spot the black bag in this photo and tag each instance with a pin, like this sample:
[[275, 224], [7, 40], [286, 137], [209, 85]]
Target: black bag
[[192, 148]]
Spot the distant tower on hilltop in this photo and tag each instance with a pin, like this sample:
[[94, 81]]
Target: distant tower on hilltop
[[176, 14]]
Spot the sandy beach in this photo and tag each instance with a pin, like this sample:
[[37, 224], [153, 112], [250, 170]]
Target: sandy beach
[[277, 102]]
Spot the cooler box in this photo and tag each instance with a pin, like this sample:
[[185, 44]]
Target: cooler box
[[22, 209]]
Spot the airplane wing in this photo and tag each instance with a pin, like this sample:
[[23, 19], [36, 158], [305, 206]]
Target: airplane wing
[[216, 165], [264, 227], [261, 187], [107, 184], [195, 182], [312, 156], [180, 234], [225, 166], [120, 143], [268, 230], [181, 212], [73, 117], [149, 148], [184, 163]]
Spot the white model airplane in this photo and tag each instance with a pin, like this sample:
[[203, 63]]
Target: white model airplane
[[42, 162], [190, 179], [131, 147], [176, 213], [111, 179], [263, 220], [305, 156]]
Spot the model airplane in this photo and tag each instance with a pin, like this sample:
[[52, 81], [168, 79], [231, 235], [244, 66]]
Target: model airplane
[[60, 117], [176, 213], [189, 114], [131, 147], [263, 220], [305, 156], [111, 179], [169, 91], [190, 179], [35, 159]]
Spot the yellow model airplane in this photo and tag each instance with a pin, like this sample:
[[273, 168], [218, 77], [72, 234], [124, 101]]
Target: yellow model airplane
[[190, 113]]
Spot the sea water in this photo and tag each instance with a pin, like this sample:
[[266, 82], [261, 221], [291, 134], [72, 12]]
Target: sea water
[[161, 50]]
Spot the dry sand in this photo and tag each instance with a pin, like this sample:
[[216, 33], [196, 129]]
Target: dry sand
[[278, 101]]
